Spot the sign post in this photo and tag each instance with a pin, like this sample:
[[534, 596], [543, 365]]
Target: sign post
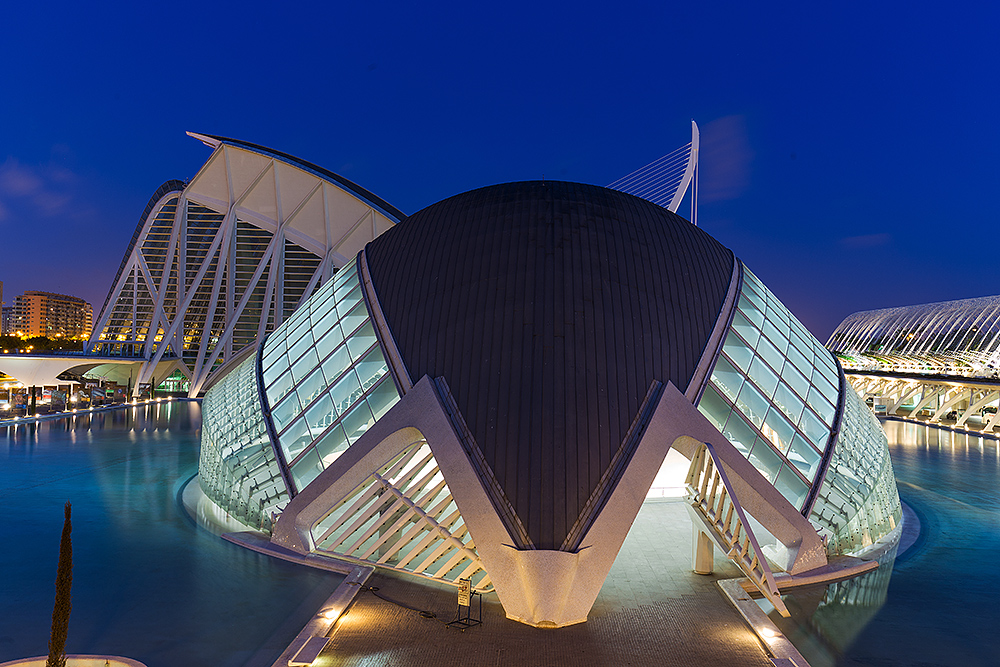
[[465, 595]]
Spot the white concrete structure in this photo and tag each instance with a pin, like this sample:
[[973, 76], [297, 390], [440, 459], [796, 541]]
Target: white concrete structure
[[218, 262]]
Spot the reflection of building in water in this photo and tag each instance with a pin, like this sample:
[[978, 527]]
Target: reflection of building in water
[[827, 619]]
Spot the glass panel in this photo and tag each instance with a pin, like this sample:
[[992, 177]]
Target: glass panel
[[764, 459], [346, 392], [275, 369], [274, 345], [297, 346], [714, 407], [371, 368], [306, 470], [331, 446], [751, 311], [815, 430], [804, 457], [349, 299], [800, 354], [273, 352], [778, 430], [345, 280], [305, 365], [828, 390], [726, 378], [752, 404], [363, 339], [795, 380], [739, 433], [763, 377], [357, 421], [280, 388], [324, 323], [301, 327], [385, 396], [742, 325], [285, 412], [738, 351], [321, 415], [336, 364], [788, 402], [777, 312], [757, 300], [295, 439], [329, 342], [311, 387], [770, 354], [353, 319], [791, 487], [821, 405], [779, 339]]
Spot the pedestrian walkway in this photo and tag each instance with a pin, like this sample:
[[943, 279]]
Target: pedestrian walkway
[[651, 611]]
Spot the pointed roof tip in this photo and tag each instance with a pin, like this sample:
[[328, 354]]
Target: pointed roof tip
[[206, 139]]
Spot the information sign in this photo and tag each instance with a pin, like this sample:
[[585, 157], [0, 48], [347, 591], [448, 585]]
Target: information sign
[[464, 592]]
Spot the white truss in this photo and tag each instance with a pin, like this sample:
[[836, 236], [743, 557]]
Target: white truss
[[403, 517], [665, 181], [229, 257]]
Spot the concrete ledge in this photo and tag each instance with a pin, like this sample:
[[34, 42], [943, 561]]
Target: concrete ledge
[[34, 419], [77, 661], [989, 435], [259, 542], [838, 569], [321, 625], [777, 646]]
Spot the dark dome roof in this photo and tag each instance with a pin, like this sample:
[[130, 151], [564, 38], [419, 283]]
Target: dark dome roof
[[549, 308]]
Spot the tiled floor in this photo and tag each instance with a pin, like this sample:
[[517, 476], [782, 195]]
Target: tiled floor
[[651, 611]]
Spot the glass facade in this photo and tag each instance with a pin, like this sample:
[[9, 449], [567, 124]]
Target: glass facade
[[858, 502], [326, 377], [238, 470], [773, 392]]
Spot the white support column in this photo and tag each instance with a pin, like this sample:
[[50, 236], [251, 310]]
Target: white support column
[[961, 394], [903, 397], [703, 551], [930, 393], [974, 407]]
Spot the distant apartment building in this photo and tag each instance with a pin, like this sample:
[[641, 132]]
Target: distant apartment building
[[7, 320], [51, 315]]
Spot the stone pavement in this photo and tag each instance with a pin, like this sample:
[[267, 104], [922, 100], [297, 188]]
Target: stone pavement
[[651, 611]]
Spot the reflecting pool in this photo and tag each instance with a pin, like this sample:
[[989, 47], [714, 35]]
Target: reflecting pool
[[148, 583], [935, 602]]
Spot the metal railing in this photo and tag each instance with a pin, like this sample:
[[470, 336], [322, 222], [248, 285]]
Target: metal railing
[[712, 497]]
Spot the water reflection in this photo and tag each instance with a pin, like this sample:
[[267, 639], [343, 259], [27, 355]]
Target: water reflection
[[147, 582], [826, 620], [934, 602]]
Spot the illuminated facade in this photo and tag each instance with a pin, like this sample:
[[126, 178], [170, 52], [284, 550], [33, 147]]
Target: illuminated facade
[[51, 315], [489, 388], [218, 262], [938, 362], [951, 337]]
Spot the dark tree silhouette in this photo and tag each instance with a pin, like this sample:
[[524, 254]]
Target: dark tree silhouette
[[64, 584]]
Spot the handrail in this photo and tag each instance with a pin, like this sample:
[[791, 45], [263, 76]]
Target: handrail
[[712, 496]]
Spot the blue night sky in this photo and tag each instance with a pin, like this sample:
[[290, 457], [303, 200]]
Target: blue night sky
[[850, 152]]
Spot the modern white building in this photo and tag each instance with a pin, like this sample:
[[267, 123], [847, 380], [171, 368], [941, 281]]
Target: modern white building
[[218, 261], [488, 389]]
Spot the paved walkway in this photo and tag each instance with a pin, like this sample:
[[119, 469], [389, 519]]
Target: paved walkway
[[651, 611]]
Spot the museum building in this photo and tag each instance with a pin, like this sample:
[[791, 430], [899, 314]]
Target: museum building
[[488, 389]]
